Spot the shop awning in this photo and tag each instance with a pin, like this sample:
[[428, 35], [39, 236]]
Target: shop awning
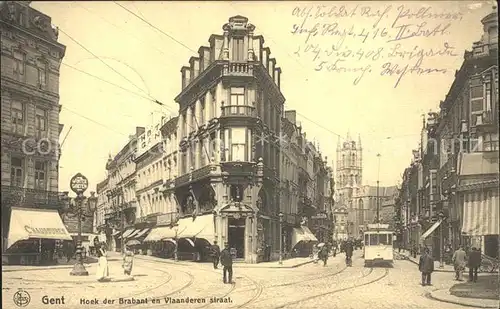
[[481, 213], [132, 235], [116, 233], [201, 227], [127, 233], [160, 233], [302, 234], [26, 223], [141, 233], [430, 230]]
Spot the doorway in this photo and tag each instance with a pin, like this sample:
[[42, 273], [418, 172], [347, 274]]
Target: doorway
[[236, 236]]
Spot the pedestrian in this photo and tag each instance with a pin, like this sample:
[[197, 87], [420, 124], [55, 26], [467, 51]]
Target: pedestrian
[[426, 267], [474, 263], [102, 265], [323, 254], [348, 248], [334, 248], [226, 260], [128, 261], [459, 262], [215, 249]]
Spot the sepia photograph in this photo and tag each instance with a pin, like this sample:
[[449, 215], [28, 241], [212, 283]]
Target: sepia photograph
[[250, 154]]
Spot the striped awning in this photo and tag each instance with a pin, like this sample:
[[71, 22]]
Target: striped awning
[[127, 233], [481, 213], [141, 233], [133, 234], [430, 230]]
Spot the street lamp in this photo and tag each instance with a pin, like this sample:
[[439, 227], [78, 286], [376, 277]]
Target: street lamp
[[441, 218], [280, 215], [81, 208]]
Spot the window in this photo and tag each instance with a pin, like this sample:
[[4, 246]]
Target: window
[[19, 62], [41, 122], [194, 121], [373, 239], [237, 99], [236, 192], [212, 146], [184, 124], [202, 110], [40, 174], [433, 184], [17, 113], [238, 49], [476, 101], [238, 143], [42, 74], [16, 172], [213, 104], [490, 142]]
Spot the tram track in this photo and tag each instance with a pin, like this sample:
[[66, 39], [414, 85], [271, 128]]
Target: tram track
[[386, 273]]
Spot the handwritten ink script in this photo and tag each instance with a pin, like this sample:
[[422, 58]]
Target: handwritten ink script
[[391, 41]]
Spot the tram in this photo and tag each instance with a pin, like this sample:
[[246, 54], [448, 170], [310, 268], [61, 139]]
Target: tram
[[378, 246]]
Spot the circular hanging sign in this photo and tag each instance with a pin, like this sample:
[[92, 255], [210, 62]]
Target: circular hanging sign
[[79, 183]]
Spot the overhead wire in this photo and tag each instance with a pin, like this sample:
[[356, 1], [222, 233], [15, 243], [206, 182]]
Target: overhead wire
[[107, 65]]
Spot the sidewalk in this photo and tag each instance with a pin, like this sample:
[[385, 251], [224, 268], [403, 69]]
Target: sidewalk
[[406, 255], [446, 297], [88, 262], [289, 263]]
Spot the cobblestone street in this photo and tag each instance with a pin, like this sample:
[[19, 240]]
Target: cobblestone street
[[309, 286]]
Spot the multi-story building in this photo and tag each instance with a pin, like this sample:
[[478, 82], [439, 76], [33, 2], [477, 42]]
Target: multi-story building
[[230, 110], [232, 166], [458, 170], [359, 200], [121, 205], [30, 61], [102, 206], [156, 170]]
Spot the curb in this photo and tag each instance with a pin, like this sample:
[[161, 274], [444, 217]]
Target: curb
[[44, 268], [467, 302], [416, 263]]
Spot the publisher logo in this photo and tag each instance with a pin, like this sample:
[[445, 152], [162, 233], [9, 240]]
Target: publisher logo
[[22, 298]]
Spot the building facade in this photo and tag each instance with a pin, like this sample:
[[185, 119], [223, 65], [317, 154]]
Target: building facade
[[30, 61], [233, 166], [456, 168], [119, 194], [359, 200]]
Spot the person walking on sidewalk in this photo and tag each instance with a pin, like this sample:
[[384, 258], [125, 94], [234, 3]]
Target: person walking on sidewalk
[[474, 263], [215, 254], [226, 260], [459, 262], [426, 267]]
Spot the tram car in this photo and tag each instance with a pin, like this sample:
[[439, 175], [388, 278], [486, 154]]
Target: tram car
[[378, 247]]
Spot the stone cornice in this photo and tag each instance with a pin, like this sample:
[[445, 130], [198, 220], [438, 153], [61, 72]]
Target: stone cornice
[[12, 85]]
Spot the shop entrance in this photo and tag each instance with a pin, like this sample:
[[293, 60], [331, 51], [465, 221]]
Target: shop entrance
[[236, 236]]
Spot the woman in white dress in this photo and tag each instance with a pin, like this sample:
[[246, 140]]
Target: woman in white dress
[[102, 266]]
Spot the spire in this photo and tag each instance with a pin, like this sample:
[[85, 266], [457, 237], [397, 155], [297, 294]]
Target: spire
[[348, 136], [338, 144], [359, 141]]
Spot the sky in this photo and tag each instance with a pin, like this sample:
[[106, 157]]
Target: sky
[[337, 84]]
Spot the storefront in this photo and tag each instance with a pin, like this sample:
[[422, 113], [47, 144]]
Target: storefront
[[33, 234], [302, 241]]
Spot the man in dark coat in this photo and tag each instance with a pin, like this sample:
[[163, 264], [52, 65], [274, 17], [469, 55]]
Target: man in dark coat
[[226, 260], [215, 254], [474, 263], [426, 267], [323, 254], [348, 248]]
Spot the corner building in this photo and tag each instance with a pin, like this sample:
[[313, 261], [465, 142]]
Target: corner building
[[30, 61], [230, 110]]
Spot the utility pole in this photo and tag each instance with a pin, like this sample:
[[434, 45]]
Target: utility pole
[[378, 188]]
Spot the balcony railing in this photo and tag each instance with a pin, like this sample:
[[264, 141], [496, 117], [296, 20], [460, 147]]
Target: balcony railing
[[16, 196], [238, 111], [238, 68]]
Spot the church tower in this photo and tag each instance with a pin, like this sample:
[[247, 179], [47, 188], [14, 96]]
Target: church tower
[[349, 169]]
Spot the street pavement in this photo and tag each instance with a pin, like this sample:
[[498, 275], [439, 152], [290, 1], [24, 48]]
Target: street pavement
[[198, 285]]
